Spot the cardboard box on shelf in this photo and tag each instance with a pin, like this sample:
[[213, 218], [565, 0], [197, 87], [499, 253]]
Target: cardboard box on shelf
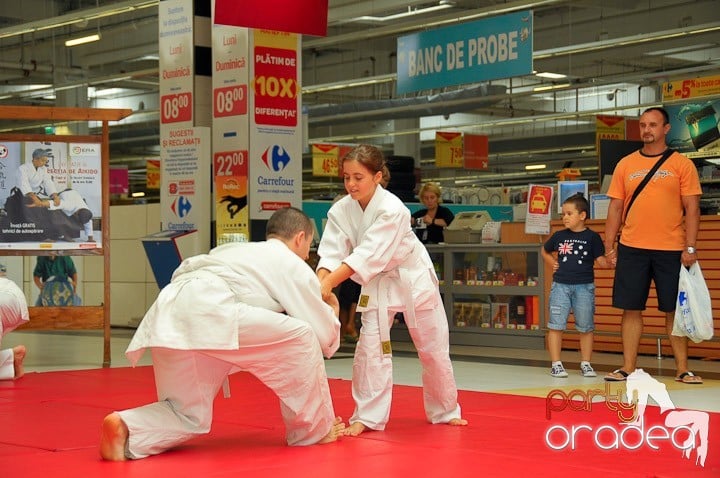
[[500, 314]]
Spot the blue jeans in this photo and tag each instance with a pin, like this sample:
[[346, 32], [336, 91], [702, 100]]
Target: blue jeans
[[578, 298]]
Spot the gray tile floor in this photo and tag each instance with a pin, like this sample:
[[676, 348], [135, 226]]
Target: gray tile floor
[[503, 370]]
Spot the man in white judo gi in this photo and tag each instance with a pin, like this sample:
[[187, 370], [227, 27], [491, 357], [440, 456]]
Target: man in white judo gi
[[35, 182], [252, 307], [13, 312]]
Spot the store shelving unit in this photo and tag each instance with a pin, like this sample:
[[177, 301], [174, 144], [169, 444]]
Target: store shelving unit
[[492, 293]]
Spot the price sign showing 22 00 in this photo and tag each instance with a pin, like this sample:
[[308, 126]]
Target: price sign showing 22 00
[[176, 108], [230, 101]]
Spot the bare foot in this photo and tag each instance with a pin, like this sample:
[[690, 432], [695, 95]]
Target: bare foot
[[18, 357], [457, 422], [354, 429], [335, 432], [113, 438]]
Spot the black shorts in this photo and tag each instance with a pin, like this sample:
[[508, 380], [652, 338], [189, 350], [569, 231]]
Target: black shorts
[[348, 293], [634, 271]]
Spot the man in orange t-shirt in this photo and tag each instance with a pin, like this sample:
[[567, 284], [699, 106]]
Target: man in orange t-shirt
[[653, 241]]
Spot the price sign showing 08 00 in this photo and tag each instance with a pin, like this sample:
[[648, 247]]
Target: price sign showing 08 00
[[230, 101], [176, 108]]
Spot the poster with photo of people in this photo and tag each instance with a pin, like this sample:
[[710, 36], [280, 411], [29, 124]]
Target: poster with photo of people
[[50, 195]]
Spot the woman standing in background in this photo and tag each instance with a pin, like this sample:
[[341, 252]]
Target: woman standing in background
[[430, 222]]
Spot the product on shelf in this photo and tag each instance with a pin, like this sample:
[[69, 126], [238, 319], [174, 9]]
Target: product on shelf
[[500, 314]]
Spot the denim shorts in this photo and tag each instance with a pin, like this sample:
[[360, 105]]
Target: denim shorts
[[578, 298]]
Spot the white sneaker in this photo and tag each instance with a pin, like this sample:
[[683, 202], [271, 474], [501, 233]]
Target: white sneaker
[[558, 371], [587, 370]]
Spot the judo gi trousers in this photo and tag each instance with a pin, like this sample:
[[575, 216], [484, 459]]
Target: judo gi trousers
[[7, 364], [372, 371], [281, 351]]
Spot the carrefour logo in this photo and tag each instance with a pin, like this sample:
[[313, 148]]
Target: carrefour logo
[[276, 158], [181, 206]]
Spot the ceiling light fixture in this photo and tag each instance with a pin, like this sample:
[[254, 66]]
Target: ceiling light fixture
[[441, 5], [531, 167], [339, 85], [552, 76], [551, 87], [83, 40]]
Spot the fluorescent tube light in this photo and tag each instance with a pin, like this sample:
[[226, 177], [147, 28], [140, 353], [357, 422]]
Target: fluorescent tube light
[[411, 11], [83, 40], [552, 76], [551, 87], [531, 167]]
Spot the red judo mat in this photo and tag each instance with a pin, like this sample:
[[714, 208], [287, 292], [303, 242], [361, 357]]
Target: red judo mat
[[50, 426]]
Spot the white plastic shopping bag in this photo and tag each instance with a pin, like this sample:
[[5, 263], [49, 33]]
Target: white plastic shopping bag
[[693, 311]]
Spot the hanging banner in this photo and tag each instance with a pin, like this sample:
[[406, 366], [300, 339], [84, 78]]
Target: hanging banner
[[487, 49], [537, 219], [231, 194], [326, 159], [51, 194], [448, 149], [296, 16], [692, 88], [120, 180], [152, 174], [275, 155], [230, 135], [608, 127], [475, 151], [185, 181], [175, 48]]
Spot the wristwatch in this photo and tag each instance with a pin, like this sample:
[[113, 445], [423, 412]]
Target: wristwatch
[[691, 250]]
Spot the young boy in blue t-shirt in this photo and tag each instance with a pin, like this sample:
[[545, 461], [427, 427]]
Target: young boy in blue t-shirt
[[572, 253]]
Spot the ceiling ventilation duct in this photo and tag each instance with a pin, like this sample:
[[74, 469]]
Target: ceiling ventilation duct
[[478, 96]]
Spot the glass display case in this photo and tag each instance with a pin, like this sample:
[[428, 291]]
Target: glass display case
[[493, 293]]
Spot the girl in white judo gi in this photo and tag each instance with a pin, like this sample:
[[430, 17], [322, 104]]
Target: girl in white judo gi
[[252, 307], [368, 237], [13, 313]]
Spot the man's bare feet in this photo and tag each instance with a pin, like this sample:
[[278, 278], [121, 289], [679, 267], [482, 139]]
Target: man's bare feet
[[335, 432], [18, 357], [354, 429], [113, 438], [457, 422]]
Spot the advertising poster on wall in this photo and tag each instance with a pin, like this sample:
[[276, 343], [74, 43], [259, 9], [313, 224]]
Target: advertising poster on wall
[[51, 195], [537, 220], [275, 159], [694, 126], [570, 188]]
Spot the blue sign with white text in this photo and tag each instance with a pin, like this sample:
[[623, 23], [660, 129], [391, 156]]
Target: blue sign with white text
[[488, 49]]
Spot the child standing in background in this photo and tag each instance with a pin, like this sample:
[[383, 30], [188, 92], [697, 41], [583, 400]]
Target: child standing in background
[[572, 253]]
